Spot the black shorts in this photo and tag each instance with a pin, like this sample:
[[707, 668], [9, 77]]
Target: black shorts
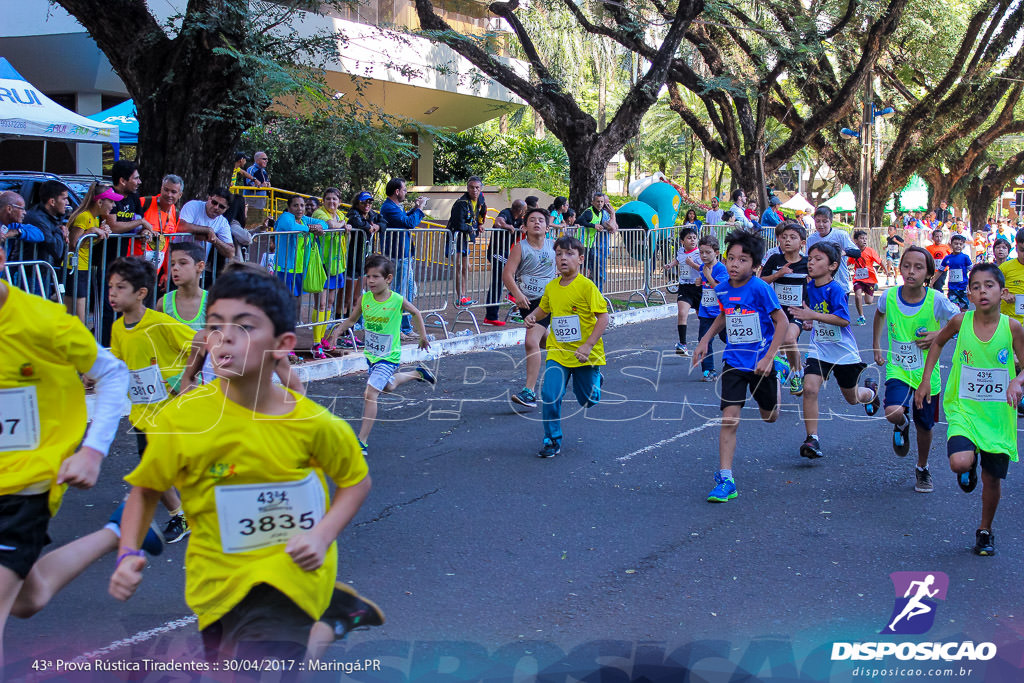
[[140, 441], [534, 304], [81, 279], [846, 375], [265, 624], [690, 294], [996, 464], [734, 384], [23, 524]]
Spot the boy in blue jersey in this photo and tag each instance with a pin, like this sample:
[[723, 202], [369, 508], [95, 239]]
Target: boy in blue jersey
[[750, 313], [826, 314], [712, 272], [957, 264]]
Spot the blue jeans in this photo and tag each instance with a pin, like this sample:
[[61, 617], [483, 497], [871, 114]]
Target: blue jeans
[[708, 363], [596, 262], [405, 286], [586, 384]]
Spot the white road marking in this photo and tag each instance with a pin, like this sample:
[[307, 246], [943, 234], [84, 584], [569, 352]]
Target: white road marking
[[665, 442], [140, 637]]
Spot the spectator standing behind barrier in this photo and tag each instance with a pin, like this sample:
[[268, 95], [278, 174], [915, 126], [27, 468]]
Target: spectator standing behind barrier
[[312, 204], [260, 177], [48, 216], [291, 247], [714, 214], [365, 224], [398, 241], [205, 222], [691, 219], [334, 250], [161, 212], [467, 217], [771, 216], [88, 219], [508, 231], [239, 175], [597, 222], [943, 214], [12, 230], [738, 208], [556, 210]]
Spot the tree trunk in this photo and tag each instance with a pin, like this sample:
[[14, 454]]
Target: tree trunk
[[503, 124], [585, 177], [718, 183], [602, 101], [538, 126], [705, 181], [689, 166]]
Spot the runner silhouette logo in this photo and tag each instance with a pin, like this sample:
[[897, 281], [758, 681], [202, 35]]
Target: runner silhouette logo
[[916, 594]]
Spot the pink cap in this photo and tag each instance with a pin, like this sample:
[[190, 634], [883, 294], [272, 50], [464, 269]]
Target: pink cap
[[109, 194]]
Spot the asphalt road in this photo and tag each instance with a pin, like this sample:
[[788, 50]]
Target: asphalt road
[[491, 563]]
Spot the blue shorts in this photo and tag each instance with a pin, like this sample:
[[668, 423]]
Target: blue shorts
[[293, 281], [899, 393], [380, 373], [335, 281]]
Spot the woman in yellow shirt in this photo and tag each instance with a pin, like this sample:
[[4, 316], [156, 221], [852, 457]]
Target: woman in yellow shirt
[[99, 201], [334, 249]]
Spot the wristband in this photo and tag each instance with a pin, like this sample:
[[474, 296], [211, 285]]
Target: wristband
[[128, 553]]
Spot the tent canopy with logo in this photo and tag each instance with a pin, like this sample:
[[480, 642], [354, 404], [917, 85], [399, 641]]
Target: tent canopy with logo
[[124, 117], [25, 112]]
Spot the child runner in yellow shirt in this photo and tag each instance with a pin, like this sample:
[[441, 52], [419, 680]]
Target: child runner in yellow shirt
[[252, 459]]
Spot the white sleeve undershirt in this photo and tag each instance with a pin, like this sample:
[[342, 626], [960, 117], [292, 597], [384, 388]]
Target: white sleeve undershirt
[[111, 377]]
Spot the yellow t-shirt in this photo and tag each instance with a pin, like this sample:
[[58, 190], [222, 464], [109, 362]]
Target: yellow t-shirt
[[44, 351], [1013, 271], [208, 446], [573, 310], [85, 221], [334, 245], [155, 351]]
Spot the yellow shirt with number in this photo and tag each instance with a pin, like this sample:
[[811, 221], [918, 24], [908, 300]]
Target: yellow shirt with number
[[44, 350], [203, 441], [157, 339], [85, 221], [579, 300], [1013, 271]]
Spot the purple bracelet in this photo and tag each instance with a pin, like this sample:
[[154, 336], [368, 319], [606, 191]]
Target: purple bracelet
[[129, 553]]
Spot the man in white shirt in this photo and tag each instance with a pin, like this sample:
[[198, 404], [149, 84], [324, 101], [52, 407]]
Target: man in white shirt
[[739, 210], [714, 215], [825, 233], [205, 221]]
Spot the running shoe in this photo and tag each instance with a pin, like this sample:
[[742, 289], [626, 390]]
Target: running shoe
[[495, 323], [351, 342], [294, 358], [924, 481], [861, 320], [348, 611], [811, 449], [177, 528], [969, 479], [153, 544], [550, 449], [983, 543], [725, 489], [796, 385], [465, 301], [872, 408], [681, 350], [1020, 407], [525, 397], [710, 375], [515, 317], [426, 375], [782, 369], [318, 352], [363, 446], [901, 438]]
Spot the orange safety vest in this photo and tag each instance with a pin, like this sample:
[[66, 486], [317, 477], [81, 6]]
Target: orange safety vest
[[164, 224]]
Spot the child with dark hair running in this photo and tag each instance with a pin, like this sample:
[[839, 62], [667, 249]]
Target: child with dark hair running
[[579, 316], [957, 265], [750, 314], [712, 273], [786, 272], [382, 310], [688, 263], [156, 349], [912, 315], [980, 396], [865, 279], [833, 349]]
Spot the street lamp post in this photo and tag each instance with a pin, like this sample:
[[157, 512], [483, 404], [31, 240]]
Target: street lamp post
[[868, 116]]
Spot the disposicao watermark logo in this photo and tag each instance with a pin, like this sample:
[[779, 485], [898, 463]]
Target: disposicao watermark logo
[[914, 610], [913, 613]]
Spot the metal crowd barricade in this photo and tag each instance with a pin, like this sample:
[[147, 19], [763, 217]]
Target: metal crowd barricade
[[625, 271], [483, 262], [34, 277], [422, 269]]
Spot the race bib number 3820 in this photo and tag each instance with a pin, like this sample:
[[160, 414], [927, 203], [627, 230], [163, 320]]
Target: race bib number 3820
[[19, 419], [255, 516]]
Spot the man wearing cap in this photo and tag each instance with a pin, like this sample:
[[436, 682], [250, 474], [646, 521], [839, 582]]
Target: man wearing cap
[[48, 216], [771, 216]]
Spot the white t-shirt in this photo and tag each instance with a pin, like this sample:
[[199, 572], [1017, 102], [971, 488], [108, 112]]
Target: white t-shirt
[[713, 217], [944, 308], [194, 212]]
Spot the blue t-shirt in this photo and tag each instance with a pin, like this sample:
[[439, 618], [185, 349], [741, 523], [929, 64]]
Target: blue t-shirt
[[831, 343], [720, 274], [749, 327], [958, 266]]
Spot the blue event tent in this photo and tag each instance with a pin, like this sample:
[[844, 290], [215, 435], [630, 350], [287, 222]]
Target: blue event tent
[[123, 116]]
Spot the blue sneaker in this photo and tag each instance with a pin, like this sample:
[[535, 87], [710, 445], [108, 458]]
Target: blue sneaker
[[153, 544], [782, 369], [426, 375], [725, 489]]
